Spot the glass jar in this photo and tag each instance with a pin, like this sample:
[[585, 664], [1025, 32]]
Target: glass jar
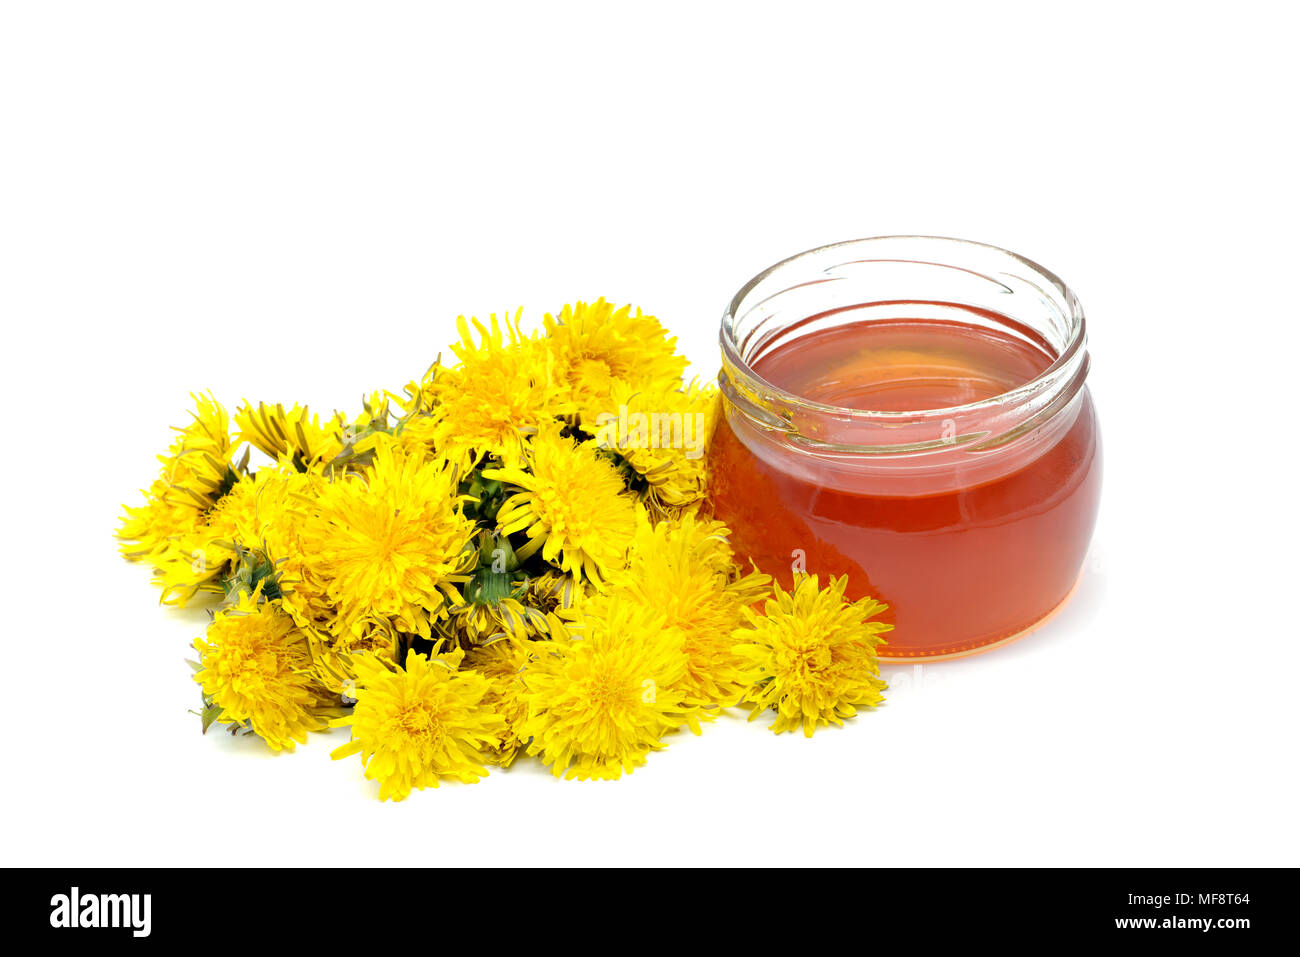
[[971, 520]]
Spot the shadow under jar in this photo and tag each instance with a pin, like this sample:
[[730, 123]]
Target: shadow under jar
[[911, 411]]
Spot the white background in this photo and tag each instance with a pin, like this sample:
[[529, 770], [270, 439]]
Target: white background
[[294, 201]]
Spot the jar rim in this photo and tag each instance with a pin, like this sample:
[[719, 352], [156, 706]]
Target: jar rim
[[1072, 354]]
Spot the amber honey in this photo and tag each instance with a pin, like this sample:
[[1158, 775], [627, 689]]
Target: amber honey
[[838, 455]]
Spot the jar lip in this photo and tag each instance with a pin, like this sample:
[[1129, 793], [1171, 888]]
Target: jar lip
[[1067, 357]]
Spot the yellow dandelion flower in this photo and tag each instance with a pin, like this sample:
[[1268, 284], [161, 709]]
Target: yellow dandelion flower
[[572, 504], [492, 605], [599, 703], [502, 599], [488, 404], [502, 663], [415, 725], [418, 432], [413, 430], [270, 523], [193, 563], [388, 544], [202, 559], [148, 531], [250, 537], [813, 655], [553, 593], [377, 423], [334, 661], [196, 472], [264, 510], [253, 667], [295, 434], [686, 571], [597, 345], [661, 436], [484, 621]]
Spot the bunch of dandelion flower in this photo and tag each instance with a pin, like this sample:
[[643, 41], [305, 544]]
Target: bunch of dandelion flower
[[571, 504], [602, 698], [812, 655], [420, 723], [578, 606], [254, 670]]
